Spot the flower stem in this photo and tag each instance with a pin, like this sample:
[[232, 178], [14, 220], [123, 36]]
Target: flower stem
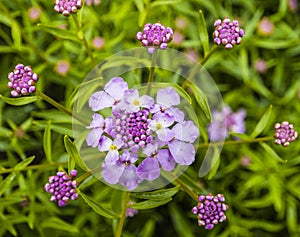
[[33, 167], [82, 37], [60, 107], [236, 142], [151, 73], [199, 66], [83, 177], [187, 189], [122, 218]]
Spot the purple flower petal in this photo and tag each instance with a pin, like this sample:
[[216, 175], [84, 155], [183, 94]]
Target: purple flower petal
[[129, 178], [167, 97], [146, 101], [112, 157], [186, 131], [104, 143], [116, 88], [132, 100], [150, 149], [176, 113], [112, 172], [97, 122], [100, 100], [182, 152], [166, 160], [92, 139], [127, 156], [149, 169], [165, 134]]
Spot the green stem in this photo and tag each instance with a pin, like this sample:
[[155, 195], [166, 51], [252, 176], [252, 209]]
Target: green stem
[[61, 107], [187, 189], [122, 218], [151, 73], [82, 37], [236, 142], [199, 66], [33, 167], [83, 177]]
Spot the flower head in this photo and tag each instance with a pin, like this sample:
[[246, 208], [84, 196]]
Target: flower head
[[131, 212], [22, 80], [34, 13], [210, 210], [227, 32], [260, 66], [226, 121], [91, 2], [155, 35], [66, 7], [62, 67], [265, 27], [141, 136], [62, 187], [284, 133], [98, 42]]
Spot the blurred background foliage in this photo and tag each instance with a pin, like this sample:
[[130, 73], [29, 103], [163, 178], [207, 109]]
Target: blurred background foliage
[[262, 192]]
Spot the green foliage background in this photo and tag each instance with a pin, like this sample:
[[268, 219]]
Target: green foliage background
[[34, 138]]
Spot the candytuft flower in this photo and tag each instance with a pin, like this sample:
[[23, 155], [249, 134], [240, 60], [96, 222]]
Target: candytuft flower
[[284, 133], [154, 36], [265, 27], [210, 210], [22, 80], [140, 136], [66, 7], [62, 187], [227, 32], [91, 2], [226, 121]]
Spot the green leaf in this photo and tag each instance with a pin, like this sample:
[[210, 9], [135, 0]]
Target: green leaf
[[16, 34], [150, 204], [180, 223], [64, 34], [47, 142], [5, 184], [148, 229], [166, 2], [262, 123], [201, 100], [23, 164], [157, 195], [58, 224], [203, 33], [215, 161], [6, 224], [19, 101], [73, 153], [240, 135], [98, 208], [272, 153]]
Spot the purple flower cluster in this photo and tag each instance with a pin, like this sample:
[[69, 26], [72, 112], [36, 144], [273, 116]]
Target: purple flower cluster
[[22, 80], [210, 210], [284, 133], [131, 212], [141, 135], [66, 7], [227, 32], [155, 35], [226, 121], [62, 187]]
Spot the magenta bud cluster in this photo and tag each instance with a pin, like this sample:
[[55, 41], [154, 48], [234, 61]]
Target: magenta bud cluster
[[284, 133], [155, 35], [22, 80], [227, 33], [66, 7], [62, 187], [210, 210]]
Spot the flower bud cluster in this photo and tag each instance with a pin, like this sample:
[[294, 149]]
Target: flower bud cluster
[[66, 7], [284, 133], [155, 35], [62, 187], [227, 33], [210, 210], [22, 80]]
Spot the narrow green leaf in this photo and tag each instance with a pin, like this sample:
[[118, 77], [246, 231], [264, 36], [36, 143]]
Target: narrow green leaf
[[291, 214], [240, 135], [215, 163], [73, 153], [98, 208], [201, 100], [150, 204], [262, 123], [148, 229], [140, 5], [19, 101], [16, 34], [23, 164], [64, 34], [5, 184], [180, 223], [203, 33], [157, 195], [166, 2], [272, 153], [58, 224], [47, 142], [6, 224]]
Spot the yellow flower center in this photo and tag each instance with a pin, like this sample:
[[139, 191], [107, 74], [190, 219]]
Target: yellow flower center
[[113, 147], [136, 102], [159, 126]]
